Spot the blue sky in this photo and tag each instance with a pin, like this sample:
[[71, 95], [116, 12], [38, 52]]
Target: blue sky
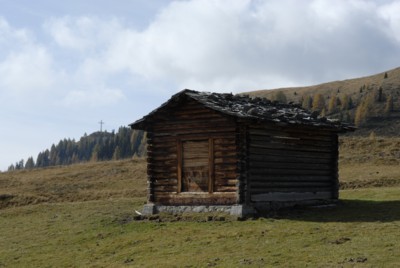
[[66, 65]]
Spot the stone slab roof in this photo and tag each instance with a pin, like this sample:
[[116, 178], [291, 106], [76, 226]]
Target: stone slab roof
[[246, 108]]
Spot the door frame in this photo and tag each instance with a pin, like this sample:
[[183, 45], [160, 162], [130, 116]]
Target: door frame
[[211, 168]]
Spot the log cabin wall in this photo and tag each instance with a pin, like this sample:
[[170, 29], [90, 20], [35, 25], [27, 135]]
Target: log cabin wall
[[292, 163], [192, 140]]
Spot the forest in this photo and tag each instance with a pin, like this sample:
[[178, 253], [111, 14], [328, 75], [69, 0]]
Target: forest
[[98, 146]]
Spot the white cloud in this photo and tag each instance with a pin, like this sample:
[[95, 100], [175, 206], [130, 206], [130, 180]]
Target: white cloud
[[26, 67], [81, 33], [390, 13], [93, 97], [236, 45], [209, 43], [27, 71]]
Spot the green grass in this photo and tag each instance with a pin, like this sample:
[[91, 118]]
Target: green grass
[[81, 216], [361, 230]]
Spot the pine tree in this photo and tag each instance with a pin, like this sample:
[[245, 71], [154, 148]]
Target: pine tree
[[29, 163], [11, 167]]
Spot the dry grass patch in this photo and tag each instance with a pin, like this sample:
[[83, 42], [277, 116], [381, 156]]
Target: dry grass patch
[[369, 162], [82, 182]]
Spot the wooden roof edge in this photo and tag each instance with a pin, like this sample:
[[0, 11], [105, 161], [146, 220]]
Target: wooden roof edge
[[141, 123]]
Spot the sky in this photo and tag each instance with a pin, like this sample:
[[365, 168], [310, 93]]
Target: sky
[[67, 65]]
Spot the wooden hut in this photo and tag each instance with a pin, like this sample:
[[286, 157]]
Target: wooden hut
[[211, 151]]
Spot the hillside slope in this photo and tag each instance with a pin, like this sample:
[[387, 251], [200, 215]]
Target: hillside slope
[[373, 93], [390, 85], [74, 183], [363, 162]]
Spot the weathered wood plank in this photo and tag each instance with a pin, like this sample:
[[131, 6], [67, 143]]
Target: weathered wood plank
[[225, 176], [226, 182], [164, 163], [293, 196], [226, 188], [290, 189], [287, 151], [220, 154], [294, 137], [283, 172], [226, 141], [211, 171], [282, 146], [180, 164], [226, 167], [192, 124], [232, 160], [162, 169], [304, 178], [292, 184], [165, 182], [298, 130], [296, 166], [165, 188], [288, 159]]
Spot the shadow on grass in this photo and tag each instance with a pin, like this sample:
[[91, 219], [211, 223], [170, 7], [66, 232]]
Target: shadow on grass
[[346, 211]]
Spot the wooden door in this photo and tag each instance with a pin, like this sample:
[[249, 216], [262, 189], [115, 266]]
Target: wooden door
[[196, 166]]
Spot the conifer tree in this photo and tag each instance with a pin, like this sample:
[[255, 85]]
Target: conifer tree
[[29, 163], [11, 167]]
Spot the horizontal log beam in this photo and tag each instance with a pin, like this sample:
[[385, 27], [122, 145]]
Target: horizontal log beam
[[289, 147], [305, 178], [294, 196], [292, 152], [260, 159], [296, 166], [289, 189], [283, 172]]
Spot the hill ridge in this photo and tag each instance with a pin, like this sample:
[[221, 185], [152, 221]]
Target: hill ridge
[[370, 102]]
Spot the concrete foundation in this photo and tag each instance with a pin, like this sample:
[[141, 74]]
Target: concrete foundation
[[235, 210]]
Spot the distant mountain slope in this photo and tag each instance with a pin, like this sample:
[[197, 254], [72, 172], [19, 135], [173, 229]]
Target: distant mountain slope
[[371, 102], [349, 86]]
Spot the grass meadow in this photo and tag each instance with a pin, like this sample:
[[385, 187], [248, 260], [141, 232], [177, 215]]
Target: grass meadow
[[83, 216]]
